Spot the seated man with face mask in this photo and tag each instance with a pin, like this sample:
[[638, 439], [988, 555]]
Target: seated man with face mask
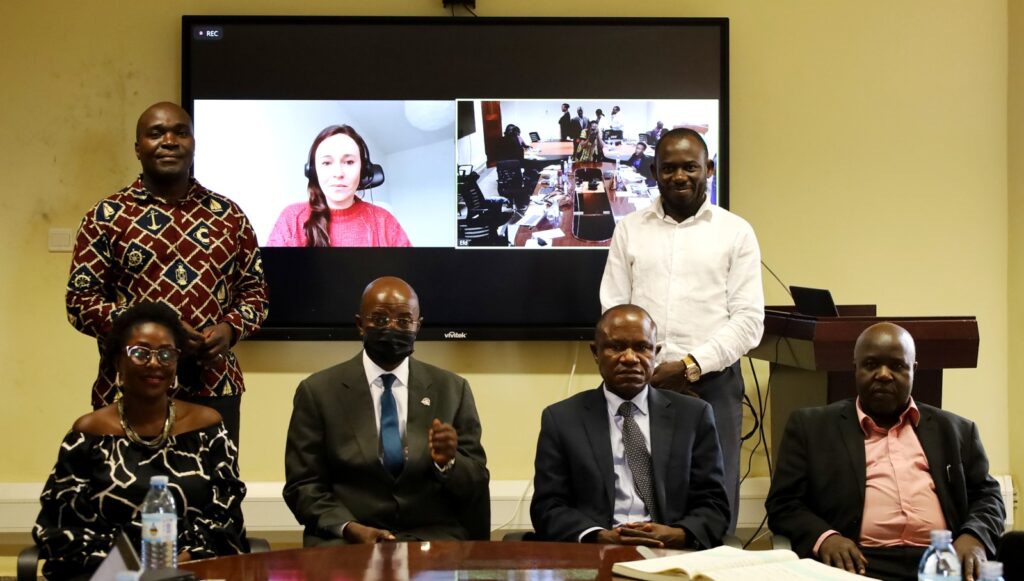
[[384, 447]]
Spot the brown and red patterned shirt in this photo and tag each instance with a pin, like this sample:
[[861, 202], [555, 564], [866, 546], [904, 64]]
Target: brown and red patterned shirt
[[199, 255]]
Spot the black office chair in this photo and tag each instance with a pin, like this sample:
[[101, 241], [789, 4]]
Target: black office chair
[[28, 558], [511, 184], [485, 217]]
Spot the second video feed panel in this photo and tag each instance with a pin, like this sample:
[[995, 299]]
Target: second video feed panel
[[333, 173], [561, 173]]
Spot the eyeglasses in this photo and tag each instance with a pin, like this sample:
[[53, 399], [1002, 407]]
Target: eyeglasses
[[403, 323], [165, 356]]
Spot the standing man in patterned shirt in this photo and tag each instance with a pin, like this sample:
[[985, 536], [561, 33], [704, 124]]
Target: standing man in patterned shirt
[[167, 238]]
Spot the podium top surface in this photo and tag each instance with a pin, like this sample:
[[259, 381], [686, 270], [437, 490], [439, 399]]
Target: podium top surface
[[826, 343]]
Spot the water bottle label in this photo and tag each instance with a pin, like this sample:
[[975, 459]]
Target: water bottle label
[[159, 527]]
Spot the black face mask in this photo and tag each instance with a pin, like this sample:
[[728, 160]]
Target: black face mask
[[387, 347]]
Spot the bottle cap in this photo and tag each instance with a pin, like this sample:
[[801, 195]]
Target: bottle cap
[[942, 537], [991, 570], [158, 481]]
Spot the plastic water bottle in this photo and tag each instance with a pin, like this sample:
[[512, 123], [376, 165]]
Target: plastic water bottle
[[940, 560], [991, 571], [159, 527]]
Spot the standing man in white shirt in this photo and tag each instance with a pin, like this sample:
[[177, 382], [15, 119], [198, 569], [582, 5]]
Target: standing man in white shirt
[[696, 268], [616, 119]]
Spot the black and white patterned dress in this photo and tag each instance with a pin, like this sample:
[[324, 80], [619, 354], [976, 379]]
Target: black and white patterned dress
[[98, 484]]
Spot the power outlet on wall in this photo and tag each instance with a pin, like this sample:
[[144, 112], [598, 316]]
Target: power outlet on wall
[[59, 240]]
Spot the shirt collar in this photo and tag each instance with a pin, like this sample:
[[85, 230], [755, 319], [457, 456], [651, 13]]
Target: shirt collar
[[140, 191], [373, 371], [867, 425], [703, 212], [614, 401]]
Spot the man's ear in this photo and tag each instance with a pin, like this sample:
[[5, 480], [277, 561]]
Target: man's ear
[[711, 167], [593, 349], [137, 154], [359, 325]]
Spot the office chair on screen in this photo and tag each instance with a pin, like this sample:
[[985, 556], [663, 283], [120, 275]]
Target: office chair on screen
[[485, 217], [513, 183]]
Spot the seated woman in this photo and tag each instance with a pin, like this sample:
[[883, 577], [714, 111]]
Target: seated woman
[[105, 462], [338, 166]]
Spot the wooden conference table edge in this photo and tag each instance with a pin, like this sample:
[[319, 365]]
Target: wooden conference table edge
[[477, 559], [620, 207]]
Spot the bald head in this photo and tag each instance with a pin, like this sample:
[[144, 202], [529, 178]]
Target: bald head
[[160, 110], [883, 334], [619, 315], [884, 363], [389, 290]]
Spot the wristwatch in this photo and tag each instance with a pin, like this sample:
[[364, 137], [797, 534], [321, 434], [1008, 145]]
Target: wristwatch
[[692, 369]]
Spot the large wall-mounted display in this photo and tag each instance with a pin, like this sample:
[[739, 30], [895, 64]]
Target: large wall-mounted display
[[484, 160]]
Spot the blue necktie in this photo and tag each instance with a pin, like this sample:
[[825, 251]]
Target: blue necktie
[[390, 438]]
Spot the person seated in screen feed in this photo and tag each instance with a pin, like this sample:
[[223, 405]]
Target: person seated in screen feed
[[105, 462], [654, 135], [591, 146], [626, 463], [639, 158], [338, 166], [384, 447], [861, 483]]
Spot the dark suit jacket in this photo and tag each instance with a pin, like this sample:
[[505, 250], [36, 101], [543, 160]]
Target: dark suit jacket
[[565, 126], [574, 479], [819, 480], [333, 470]]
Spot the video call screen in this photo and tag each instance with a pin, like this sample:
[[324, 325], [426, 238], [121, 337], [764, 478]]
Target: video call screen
[[442, 151]]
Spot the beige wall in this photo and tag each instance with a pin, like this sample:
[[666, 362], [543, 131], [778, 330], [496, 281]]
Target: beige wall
[[869, 151], [1015, 151]]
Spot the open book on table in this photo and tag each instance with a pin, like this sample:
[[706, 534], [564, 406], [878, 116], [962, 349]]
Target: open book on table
[[731, 564]]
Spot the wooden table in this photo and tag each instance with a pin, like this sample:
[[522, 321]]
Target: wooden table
[[620, 207], [424, 562]]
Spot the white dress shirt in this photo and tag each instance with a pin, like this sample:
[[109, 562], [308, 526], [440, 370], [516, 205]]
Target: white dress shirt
[[615, 122], [700, 280], [629, 507], [400, 389]]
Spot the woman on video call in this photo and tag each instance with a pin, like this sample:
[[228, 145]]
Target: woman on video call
[[338, 166]]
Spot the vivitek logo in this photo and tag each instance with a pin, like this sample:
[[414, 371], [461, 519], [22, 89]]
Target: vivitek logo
[[455, 335]]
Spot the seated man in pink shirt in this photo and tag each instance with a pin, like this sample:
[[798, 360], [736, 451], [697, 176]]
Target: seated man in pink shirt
[[861, 483]]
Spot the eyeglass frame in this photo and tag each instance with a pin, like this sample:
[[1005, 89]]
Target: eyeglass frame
[[153, 353], [390, 321]]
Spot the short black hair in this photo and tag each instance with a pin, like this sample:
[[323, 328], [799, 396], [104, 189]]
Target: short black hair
[[139, 314], [566, 105], [680, 132]]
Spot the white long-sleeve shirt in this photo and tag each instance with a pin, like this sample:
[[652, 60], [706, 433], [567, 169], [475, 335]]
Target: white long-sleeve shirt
[[700, 280]]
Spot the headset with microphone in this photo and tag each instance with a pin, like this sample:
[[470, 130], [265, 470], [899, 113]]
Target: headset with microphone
[[371, 174]]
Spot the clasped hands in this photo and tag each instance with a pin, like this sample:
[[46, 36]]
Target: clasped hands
[[842, 553], [671, 375], [648, 534], [211, 344], [443, 441]]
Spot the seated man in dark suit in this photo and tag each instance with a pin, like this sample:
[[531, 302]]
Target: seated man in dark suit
[[626, 463], [861, 483], [384, 447]]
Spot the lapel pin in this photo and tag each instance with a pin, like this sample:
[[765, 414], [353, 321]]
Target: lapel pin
[[425, 401]]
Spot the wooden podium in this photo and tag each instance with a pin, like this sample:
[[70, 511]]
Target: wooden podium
[[812, 357]]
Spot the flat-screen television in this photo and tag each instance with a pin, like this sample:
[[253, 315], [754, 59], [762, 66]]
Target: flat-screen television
[[484, 160]]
